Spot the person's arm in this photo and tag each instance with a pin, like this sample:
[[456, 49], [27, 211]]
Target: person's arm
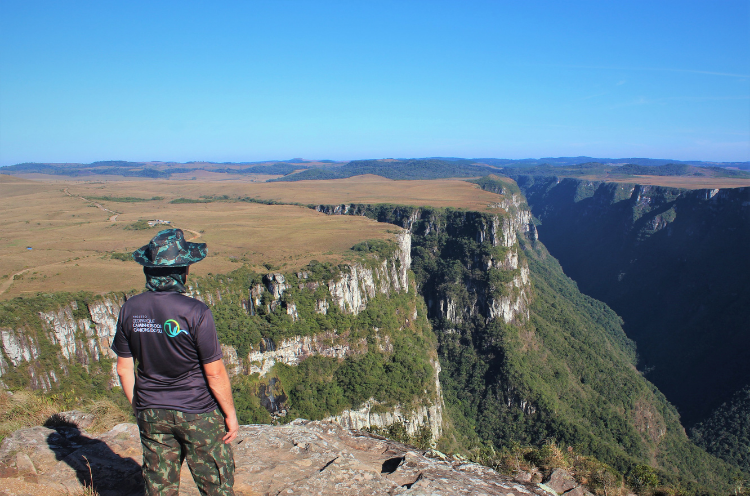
[[218, 382], [126, 372]]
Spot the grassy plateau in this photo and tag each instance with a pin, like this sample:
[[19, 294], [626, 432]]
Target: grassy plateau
[[72, 235]]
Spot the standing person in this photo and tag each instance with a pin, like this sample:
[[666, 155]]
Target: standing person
[[181, 395]]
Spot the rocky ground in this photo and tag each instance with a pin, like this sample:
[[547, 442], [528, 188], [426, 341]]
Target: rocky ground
[[303, 458]]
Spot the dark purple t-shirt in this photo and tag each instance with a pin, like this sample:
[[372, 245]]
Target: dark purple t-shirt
[[170, 335]]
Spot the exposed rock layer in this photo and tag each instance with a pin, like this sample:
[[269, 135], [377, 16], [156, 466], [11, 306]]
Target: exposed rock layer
[[424, 416], [304, 458], [83, 335], [500, 230]]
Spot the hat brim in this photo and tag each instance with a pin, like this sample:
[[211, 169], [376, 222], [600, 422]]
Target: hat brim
[[195, 253]]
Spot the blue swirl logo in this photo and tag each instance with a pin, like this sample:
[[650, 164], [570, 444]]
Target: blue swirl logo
[[172, 328]]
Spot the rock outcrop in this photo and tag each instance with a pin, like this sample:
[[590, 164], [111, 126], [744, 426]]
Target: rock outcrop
[[354, 287], [500, 230], [292, 351], [304, 458], [83, 334], [368, 416]]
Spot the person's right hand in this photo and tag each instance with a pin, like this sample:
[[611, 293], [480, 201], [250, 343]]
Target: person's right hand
[[233, 427]]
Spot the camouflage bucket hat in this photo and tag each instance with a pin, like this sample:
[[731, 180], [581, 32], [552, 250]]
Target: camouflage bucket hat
[[169, 249]]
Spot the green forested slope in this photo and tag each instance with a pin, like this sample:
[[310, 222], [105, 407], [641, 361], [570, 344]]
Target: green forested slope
[[673, 263], [726, 433], [567, 374]]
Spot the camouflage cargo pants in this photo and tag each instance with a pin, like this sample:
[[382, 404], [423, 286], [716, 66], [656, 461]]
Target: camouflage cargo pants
[[168, 437]]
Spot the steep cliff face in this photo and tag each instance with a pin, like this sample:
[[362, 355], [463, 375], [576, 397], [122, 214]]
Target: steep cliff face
[[503, 297], [527, 357], [370, 415], [472, 274], [269, 325], [86, 339], [334, 317], [355, 286], [673, 263], [54, 337], [292, 351]]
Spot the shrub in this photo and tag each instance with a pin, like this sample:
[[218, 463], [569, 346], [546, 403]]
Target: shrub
[[642, 478], [125, 257], [139, 225]]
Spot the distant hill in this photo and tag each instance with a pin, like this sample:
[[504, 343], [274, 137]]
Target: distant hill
[[444, 168], [298, 169], [562, 161], [154, 170], [606, 171], [113, 168], [397, 169]]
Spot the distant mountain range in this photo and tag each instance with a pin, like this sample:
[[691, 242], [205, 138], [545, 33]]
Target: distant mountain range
[[425, 168], [562, 161]]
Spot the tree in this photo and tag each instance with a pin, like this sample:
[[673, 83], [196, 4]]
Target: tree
[[642, 478]]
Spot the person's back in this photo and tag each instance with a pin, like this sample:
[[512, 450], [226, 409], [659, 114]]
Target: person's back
[[182, 387], [170, 336]]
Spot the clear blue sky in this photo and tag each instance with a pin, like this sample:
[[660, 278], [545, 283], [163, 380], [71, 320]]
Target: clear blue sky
[[245, 81]]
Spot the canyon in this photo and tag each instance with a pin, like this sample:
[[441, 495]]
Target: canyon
[[461, 330]]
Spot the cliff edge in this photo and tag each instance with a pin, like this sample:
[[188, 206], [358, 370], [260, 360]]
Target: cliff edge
[[302, 457]]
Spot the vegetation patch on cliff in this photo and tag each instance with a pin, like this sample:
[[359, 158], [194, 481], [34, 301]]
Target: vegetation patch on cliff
[[726, 433], [388, 343]]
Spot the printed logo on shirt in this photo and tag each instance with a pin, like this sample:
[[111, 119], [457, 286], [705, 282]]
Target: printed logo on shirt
[[172, 328], [144, 323]]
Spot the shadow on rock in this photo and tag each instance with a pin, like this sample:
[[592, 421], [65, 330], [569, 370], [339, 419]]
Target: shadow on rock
[[95, 464]]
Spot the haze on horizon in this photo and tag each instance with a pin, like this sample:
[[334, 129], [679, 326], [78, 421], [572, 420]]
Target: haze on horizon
[[251, 81]]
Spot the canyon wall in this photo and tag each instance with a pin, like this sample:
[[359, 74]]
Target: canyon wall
[[673, 263], [54, 337]]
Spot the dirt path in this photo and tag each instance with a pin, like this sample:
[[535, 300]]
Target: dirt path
[[98, 205], [195, 234], [9, 282], [113, 218], [5, 285]]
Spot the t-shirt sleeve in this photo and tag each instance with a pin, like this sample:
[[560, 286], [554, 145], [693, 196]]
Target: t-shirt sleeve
[[120, 343], [206, 340]]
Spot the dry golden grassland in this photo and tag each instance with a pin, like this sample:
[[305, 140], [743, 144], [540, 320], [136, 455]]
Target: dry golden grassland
[[360, 189], [202, 176], [73, 240], [454, 193]]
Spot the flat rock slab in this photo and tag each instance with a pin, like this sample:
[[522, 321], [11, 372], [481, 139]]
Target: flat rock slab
[[300, 458], [561, 481]]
